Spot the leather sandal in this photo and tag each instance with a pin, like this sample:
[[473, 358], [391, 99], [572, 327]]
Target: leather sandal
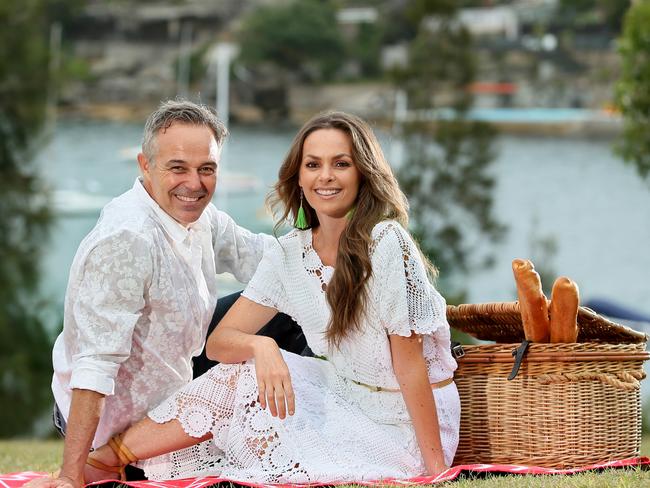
[[122, 452]]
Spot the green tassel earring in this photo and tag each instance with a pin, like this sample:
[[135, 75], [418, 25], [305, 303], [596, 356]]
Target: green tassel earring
[[301, 218], [350, 213]]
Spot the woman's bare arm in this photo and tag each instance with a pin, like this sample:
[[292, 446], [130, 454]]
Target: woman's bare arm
[[411, 371], [234, 341]]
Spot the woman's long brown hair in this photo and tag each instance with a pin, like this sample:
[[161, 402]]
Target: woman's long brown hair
[[379, 198]]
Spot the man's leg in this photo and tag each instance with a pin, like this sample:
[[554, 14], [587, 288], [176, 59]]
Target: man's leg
[[132, 473], [286, 332]]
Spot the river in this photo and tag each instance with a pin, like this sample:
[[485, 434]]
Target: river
[[575, 192]]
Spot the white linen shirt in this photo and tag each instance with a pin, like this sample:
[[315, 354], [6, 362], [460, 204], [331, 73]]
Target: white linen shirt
[[141, 293]]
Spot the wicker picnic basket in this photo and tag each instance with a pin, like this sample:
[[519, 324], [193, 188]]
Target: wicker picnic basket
[[569, 405]]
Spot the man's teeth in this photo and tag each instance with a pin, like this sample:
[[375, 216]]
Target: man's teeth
[[187, 199], [327, 192]]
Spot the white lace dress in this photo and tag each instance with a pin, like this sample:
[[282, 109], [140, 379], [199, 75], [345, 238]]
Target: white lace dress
[[342, 430]]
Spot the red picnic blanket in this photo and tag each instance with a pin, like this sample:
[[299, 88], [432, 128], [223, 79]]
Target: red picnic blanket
[[16, 480]]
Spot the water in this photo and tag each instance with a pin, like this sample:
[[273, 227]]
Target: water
[[576, 192], [540, 115], [579, 194]]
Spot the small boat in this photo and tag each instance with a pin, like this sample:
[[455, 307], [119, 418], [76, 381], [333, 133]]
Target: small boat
[[234, 183], [76, 203]]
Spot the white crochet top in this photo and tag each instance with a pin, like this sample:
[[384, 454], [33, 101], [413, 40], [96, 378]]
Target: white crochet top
[[292, 279]]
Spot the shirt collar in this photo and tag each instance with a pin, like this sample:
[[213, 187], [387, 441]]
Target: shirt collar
[[177, 231]]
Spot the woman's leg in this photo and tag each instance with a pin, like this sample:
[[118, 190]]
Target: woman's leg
[[145, 439], [161, 432]]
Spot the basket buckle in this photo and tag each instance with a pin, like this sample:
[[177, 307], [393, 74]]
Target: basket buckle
[[457, 350], [519, 356]]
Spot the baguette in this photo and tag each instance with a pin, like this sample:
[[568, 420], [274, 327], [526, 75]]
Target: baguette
[[565, 300], [533, 304]]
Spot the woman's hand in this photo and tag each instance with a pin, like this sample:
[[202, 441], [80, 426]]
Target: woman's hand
[[273, 378], [436, 467], [234, 341]]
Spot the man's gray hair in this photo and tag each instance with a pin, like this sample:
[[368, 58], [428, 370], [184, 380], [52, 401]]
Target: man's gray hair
[[182, 111]]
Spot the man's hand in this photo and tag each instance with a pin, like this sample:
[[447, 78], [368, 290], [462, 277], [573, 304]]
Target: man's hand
[[54, 481]]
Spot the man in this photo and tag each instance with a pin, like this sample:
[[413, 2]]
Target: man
[[142, 286]]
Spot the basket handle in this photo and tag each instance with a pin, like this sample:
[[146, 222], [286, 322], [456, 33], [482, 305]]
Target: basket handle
[[624, 380]]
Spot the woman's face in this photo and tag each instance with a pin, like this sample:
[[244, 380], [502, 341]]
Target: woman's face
[[328, 175]]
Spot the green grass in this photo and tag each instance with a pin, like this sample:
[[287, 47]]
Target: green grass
[[28, 455], [21, 455]]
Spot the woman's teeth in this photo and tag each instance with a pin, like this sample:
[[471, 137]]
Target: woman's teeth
[[327, 192]]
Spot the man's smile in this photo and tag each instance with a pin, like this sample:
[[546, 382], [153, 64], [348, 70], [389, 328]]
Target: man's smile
[[183, 198]]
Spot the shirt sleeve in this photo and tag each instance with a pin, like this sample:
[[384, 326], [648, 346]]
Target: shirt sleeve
[[408, 302], [237, 250], [109, 303], [266, 287]]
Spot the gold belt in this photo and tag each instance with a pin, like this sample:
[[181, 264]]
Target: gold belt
[[439, 384]]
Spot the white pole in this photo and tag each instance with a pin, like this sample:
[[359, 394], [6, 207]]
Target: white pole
[[399, 117], [183, 81], [53, 86], [223, 54]]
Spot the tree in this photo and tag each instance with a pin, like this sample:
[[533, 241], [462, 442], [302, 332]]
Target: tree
[[25, 217], [583, 13], [365, 49], [300, 38], [446, 173], [291, 42], [633, 90]]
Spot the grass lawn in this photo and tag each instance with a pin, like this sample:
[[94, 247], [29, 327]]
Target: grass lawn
[[22, 455]]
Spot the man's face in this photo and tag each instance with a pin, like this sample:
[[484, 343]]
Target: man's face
[[183, 174]]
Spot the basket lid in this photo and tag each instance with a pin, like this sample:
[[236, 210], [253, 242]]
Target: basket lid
[[501, 322]]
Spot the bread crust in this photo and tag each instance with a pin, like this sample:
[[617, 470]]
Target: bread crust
[[565, 300], [533, 304]]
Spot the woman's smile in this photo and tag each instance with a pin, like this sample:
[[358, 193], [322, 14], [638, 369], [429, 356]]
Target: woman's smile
[[327, 192]]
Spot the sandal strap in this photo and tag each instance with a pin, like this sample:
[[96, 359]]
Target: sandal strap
[[128, 453], [121, 450], [104, 467]]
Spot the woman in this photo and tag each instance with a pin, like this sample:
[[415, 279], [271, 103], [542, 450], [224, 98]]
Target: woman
[[378, 401]]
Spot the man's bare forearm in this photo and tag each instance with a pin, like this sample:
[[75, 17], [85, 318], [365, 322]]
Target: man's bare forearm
[[85, 410]]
